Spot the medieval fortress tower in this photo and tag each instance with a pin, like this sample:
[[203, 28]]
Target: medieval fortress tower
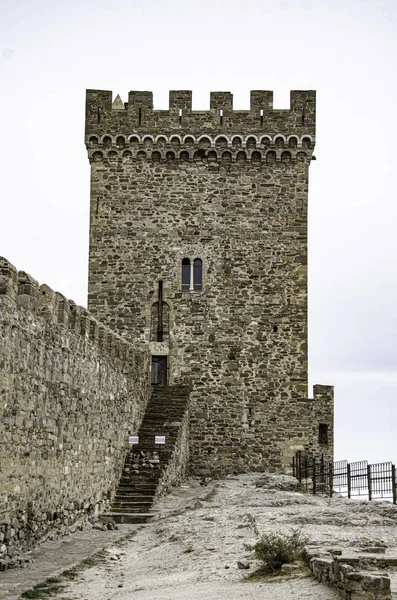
[[206, 213], [197, 282]]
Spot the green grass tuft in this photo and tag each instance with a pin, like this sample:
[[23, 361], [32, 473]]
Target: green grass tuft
[[44, 590]]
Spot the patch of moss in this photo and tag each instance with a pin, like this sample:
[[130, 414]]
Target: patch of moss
[[47, 588]]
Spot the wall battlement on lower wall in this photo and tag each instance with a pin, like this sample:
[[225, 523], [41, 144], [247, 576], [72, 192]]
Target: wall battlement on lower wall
[[71, 391]]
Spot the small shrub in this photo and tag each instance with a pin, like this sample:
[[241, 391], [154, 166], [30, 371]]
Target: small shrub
[[250, 521], [274, 550]]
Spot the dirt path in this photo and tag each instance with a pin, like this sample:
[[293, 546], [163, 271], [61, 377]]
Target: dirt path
[[192, 550], [55, 556]]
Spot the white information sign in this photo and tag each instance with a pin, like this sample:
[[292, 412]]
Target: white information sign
[[159, 439], [133, 439]]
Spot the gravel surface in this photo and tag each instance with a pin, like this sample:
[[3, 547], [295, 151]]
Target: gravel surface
[[192, 550]]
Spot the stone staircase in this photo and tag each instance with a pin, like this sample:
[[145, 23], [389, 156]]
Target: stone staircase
[[146, 463]]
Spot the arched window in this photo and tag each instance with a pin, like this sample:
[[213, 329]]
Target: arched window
[[186, 274], [192, 275], [198, 275]]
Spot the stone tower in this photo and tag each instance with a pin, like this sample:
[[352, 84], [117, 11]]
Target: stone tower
[[198, 255]]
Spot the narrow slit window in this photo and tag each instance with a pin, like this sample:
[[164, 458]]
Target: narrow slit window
[[261, 115], [221, 115], [180, 116], [186, 274], [323, 433], [140, 117], [197, 274]]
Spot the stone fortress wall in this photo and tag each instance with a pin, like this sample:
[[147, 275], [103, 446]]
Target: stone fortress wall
[[230, 188], [71, 391]]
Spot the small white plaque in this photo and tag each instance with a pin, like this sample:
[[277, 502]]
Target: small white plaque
[[133, 439], [159, 439]]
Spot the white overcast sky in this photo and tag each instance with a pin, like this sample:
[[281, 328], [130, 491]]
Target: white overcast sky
[[51, 51]]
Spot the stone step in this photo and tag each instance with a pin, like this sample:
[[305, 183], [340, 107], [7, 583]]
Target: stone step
[[118, 517], [132, 489], [168, 399], [165, 406], [131, 508], [131, 497], [172, 391], [166, 402], [142, 473], [127, 501], [140, 489], [152, 429], [139, 476], [163, 421], [166, 422], [139, 486], [142, 476], [124, 500], [170, 396]]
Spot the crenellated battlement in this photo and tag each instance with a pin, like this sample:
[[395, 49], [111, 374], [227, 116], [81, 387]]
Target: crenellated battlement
[[41, 300], [105, 116]]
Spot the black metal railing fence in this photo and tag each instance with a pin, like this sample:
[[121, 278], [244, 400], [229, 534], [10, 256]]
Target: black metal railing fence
[[357, 479]]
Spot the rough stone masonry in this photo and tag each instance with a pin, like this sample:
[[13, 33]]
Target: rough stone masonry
[[197, 276], [71, 391], [198, 252]]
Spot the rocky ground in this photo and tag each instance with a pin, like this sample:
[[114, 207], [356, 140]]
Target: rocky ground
[[196, 547]]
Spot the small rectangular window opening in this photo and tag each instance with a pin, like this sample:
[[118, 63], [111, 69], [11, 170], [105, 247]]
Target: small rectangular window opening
[[221, 115], [275, 328], [261, 115], [323, 433], [180, 116], [250, 416]]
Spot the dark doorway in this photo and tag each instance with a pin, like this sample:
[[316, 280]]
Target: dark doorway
[[159, 370]]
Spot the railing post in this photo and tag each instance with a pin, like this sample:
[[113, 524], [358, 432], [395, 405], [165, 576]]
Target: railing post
[[293, 467], [393, 483], [369, 482], [322, 468], [349, 481], [314, 476]]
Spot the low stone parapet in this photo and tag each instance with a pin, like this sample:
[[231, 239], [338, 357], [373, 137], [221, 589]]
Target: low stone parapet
[[355, 574]]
